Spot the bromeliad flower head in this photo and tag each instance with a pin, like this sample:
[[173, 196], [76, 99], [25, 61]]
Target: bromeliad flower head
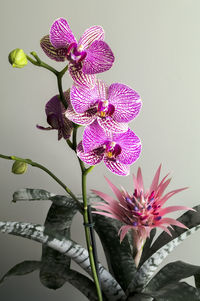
[[118, 151], [113, 107], [55, 112], [89, 55], [140, 211]]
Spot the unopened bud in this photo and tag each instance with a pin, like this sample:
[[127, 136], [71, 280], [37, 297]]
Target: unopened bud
[[19, 168], [17, 58]]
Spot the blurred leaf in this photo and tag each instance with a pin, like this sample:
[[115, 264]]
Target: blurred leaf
[[170, 273], [28, 194], [22, 268]]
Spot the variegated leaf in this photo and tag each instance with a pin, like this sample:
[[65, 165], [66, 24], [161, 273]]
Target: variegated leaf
[[180, 291], [171, 273], [28, 194], [190, 219], [147, 270], [109, 285], [119, 257], [22, 268]]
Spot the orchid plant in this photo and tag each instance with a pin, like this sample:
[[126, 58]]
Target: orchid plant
[[126, 224]]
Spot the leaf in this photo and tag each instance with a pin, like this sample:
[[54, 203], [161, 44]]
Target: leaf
[[69, 248], [119, 257], [54, 265], [180, 291], [22, 268], [146, 271], [190, 219], [28, 194], [170, 273]]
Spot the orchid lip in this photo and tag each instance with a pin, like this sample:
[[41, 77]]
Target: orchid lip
[[105, 109], [76, 54], [112, 149]]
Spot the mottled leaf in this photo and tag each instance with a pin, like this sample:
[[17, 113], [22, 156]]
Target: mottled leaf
[[109, 285], [147, 270], [28, 194], [170, 273], [22, 268], [54, 265], [119, 257], [190, 219], [180, 291]]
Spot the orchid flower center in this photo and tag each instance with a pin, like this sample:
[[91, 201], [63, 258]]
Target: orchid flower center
[[112, 149], [105, 109], [75, 53]]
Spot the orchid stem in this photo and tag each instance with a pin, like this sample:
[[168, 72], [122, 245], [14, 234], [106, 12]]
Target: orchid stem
[[35, 164], [87, 235]]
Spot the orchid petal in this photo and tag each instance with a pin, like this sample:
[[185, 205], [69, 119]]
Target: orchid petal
[[78, 118], [90, 35], [126, 101], [94, 137], [53, 53], [82, 79], [61, 35], [117, 168], [109, 124], [99, 58], [91, 158], [131, 147]]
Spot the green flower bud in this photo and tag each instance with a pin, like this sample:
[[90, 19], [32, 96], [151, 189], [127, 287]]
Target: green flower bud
[[19, 168], [17, 58]]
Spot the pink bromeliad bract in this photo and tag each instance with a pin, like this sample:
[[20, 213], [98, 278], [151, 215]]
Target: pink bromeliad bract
[[56, 118], [118, 151], [141, 211], [112, 106], [88, 56]]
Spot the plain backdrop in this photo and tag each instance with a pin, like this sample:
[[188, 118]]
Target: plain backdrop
[[157, 52]]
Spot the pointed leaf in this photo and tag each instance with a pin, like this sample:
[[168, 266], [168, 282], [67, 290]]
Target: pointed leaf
[[146, 271], [69, 248], [28, 194], [22, 268], [171, 273]]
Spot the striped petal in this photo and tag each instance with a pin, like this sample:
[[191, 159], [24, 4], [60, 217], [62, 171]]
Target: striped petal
[[91, 158], [126, 101], [99, 58], [61, 35], [82, 99], [117, 168], [109, 124], [94, 137], [131, 147], [53, 53], [79, 118], [90, 35], [82, 79]]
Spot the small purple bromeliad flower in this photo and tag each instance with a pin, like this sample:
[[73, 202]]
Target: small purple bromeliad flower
[[118, 151], [141, 211], [113, 107], [88, 56], [55, 112]]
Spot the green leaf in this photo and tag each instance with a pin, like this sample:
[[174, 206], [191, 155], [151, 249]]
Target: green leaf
[[190, 219], [146, 271], [22, 268], [180, 291], [170, 273], [119, 257]]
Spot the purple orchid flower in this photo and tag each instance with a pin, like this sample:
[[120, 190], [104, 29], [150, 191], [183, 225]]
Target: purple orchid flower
[[88, 56], [113, 107], [55, 112], [118, 151]]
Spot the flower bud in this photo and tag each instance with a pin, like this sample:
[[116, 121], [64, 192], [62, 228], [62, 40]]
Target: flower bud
[[19, 168], [17, 58]]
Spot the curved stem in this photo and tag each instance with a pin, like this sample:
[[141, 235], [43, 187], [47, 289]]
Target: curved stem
[[59, 80], [35, 164], [40, 63]]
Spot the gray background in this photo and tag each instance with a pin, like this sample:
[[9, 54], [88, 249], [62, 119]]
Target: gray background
[[157, 45]]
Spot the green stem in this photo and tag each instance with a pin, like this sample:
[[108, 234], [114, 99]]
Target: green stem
[[87, 235], [60, 89], [40, 63], [35, 164]]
